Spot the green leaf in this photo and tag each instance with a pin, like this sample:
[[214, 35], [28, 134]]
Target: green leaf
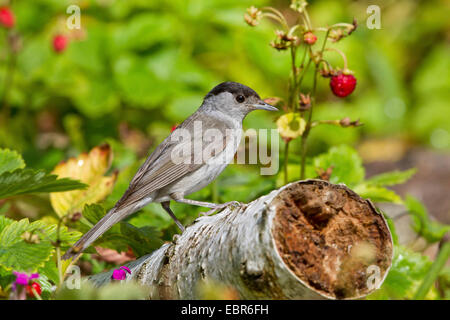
[[155, 216], [93, 212], [377, 194], [4, 221], [142, 240], [50, 270], [10, 160], [391, 226], [6, 277], [432, 231], [23, 181], [391, 178], [26, 246], [124, 235], [407, 272], [346, 163], [18, 254], [66, 238], [46, 286], [12, 230]]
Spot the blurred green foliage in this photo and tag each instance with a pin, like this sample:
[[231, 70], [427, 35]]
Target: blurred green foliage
[[149, 63], [405, 276], [431, 230], [112, 291]]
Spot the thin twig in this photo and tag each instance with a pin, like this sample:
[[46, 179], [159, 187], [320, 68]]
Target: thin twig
[[286, 161], [303, 145]]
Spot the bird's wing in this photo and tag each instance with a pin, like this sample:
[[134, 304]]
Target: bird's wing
[[159, 170]]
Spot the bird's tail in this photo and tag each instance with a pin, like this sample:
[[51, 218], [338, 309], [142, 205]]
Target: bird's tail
[[104, 224]]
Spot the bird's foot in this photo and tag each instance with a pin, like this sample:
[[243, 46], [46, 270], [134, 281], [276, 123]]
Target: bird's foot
[[233, 204]]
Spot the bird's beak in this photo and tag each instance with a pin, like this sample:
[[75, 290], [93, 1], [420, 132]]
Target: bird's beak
[[261, 105]]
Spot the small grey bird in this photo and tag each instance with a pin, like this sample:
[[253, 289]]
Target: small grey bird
[[171, 174]]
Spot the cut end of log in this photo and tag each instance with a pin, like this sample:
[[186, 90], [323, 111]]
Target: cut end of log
[[334, 241]]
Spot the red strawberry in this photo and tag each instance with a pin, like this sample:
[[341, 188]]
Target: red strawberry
[[7, 19], [36, 286], [60, 43], [343, 84], [309, 38]]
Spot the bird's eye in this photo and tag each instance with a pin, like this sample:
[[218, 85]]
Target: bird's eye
[[240, 98]]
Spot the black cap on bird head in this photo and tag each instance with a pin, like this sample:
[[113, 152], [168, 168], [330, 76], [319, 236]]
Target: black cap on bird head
[[246, 97], [234, 88]]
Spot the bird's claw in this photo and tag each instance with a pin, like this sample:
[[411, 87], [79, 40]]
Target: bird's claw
[[233, 204], [208, 213]]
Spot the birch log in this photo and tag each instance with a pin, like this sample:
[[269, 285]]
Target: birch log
[[307, 240]]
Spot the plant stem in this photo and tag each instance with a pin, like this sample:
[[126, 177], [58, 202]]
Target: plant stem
[[303, 157], [303, 74], [286, 160], [293, 103], [303, 58], [276, 18], [305, 13], [303, 145], [293, 88], [331, 122], [324, 43], [341, 24], [313, 101], [277, 15], [303, 68], [58, 262], [293, 29], [430, 277], [344, 58], [306, 20], [215, 192]]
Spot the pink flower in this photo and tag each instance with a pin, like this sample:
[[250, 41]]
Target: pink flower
[[23, 278], [120, 273]]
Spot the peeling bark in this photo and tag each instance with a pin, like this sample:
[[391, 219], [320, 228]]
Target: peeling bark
[[307, 240]]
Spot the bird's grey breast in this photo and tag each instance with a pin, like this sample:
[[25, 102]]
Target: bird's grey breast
[[220, 136]]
